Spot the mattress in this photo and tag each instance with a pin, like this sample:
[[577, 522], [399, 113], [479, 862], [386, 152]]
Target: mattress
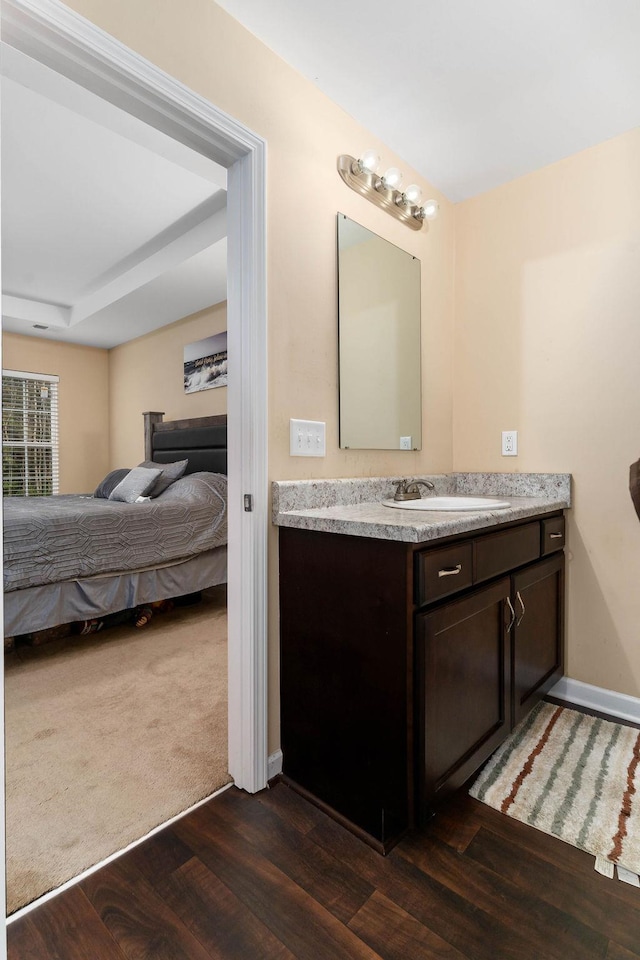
[[54, 539], [50, 604]]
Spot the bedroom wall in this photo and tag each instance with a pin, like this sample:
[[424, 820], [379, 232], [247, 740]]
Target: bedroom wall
[[547, 342], [83, 403], [202, 46], [147, 374]]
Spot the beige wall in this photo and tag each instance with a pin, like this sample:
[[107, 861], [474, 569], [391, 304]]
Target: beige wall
[[199, 44], [147, 374], [547, 342], [83, 404]]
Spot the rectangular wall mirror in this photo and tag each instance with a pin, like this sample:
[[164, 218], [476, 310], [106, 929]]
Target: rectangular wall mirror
[[379, 342]]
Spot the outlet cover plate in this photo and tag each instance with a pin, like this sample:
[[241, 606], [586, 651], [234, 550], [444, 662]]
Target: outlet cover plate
[[509, 443]]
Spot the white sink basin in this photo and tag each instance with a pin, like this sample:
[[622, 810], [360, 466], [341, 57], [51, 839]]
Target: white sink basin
[[474, 504]]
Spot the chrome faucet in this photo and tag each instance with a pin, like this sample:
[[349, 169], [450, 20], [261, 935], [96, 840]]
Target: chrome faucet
[[408, 489]]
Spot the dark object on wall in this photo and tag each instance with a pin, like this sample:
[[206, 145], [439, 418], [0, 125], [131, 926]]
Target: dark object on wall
[[634, 485]]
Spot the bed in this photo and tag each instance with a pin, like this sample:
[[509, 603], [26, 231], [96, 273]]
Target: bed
[[72, 558]]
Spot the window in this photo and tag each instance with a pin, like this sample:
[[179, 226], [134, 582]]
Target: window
[[29, 434]]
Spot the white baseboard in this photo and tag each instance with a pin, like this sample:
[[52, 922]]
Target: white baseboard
[[274, 764], [597, 698]]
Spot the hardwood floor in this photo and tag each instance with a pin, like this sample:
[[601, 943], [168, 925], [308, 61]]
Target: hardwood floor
[[270, 877]]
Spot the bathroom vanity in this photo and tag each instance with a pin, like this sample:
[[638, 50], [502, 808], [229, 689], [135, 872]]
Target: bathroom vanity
[[412, 643]]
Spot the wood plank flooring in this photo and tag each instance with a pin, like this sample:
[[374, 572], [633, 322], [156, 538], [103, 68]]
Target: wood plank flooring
[[270, 877]]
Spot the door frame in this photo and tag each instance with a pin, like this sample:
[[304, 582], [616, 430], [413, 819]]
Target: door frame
[[61, 39]]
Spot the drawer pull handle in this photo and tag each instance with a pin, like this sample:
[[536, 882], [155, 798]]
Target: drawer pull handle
[[450, 571], [555, 536], [513, 613], [519, 620]]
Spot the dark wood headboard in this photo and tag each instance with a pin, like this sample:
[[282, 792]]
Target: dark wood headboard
[[202, 441]]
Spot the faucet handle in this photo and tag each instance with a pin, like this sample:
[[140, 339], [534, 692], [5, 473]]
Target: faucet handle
[[401, 487]]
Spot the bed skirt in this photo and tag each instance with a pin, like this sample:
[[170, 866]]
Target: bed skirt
[[41, 607]]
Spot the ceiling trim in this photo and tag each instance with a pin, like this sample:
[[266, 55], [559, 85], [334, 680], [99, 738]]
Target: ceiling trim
[[34, 311], [200, 228]]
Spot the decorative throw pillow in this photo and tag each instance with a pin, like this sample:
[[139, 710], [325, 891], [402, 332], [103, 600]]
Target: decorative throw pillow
[[137, 483], [169, 472], [110, 482]]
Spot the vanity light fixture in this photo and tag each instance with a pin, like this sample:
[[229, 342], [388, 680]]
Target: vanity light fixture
[[385, 189]]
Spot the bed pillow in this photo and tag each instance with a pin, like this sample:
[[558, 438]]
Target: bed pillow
[[137, 483], [111, 481], [169, 473]]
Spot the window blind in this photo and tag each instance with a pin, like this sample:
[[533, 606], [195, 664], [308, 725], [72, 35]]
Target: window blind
[[29, 434]]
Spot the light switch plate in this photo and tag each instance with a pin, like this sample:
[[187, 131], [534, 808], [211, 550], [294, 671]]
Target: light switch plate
[[307, 438]]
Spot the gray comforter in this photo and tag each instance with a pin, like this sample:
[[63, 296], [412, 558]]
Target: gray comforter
[[49, 539]]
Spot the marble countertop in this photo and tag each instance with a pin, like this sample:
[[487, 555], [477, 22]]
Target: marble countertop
[[353, 506]]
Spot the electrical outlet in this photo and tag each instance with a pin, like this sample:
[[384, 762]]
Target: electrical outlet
[[405, 443], [307, 438], [509, 443]]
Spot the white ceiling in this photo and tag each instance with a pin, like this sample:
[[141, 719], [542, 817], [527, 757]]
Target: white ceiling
[[471, 93], [109, 228]]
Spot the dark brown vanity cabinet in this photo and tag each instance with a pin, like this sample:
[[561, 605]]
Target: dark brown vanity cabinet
[[404, 666]]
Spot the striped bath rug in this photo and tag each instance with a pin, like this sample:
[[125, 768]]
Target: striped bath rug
[[575, 777]]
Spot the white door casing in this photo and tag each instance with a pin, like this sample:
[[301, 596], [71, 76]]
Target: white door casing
[[49, 32]]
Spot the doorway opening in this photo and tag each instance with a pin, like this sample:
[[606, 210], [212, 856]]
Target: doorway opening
[[74, 48]]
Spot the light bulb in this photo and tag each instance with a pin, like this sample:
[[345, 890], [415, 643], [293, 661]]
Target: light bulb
[[429, 210], [369, 161], [392, 178], [412, 194]]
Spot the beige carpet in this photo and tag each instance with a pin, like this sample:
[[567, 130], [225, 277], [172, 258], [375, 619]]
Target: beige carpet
[[108, 736], [576, 777]]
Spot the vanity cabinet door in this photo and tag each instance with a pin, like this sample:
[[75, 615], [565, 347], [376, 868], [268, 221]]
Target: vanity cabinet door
[[538, 632], [463, 687]]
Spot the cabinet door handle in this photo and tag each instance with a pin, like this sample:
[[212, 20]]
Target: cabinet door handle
[[513, 613], [450, 571], [519, 621], [555, 536]]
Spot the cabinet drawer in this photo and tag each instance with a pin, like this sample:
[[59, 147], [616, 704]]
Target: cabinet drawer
[[442, 572], [499, 552], [552, 535]]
